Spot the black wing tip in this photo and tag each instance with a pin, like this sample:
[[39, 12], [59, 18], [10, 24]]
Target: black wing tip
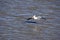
[[29, 18]]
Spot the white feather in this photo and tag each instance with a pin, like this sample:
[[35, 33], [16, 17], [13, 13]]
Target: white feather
[[36, 17]]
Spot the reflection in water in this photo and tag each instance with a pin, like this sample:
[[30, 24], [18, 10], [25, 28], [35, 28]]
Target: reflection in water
[[14, 26]]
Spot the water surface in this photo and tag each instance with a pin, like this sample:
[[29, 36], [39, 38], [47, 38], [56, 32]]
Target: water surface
[[13, 14]]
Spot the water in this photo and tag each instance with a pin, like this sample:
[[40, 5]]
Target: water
[[13, 14]]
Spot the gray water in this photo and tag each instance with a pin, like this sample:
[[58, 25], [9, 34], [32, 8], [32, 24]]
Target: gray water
[[13, 14]]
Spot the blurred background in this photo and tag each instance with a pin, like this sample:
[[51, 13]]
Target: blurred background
[[13, 14]]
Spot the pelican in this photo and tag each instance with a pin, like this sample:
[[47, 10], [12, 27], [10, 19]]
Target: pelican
[[36, 17]]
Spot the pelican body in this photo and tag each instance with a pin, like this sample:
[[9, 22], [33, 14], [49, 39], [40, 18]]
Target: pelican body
[[36, 17]]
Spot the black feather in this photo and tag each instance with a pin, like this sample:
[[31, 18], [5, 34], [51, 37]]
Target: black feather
[[29, 18]]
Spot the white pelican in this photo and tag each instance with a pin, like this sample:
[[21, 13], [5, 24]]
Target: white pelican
[[37, 17]]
